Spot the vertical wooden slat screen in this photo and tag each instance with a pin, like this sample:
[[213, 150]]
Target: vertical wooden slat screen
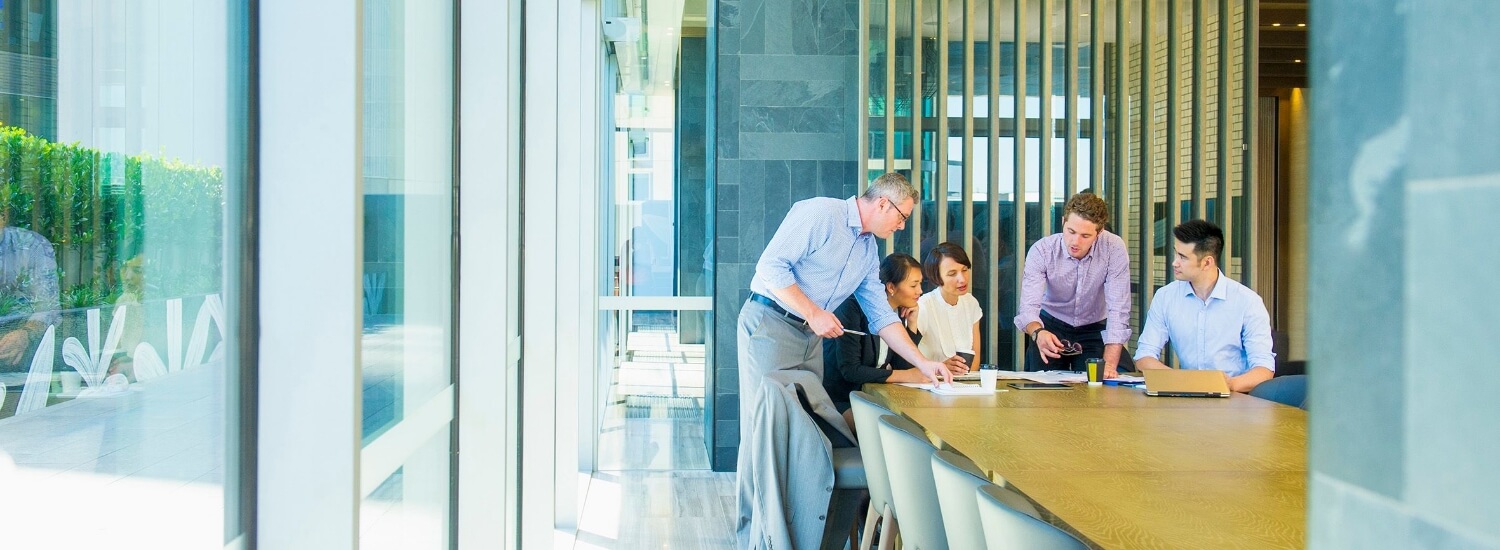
[[968, 138], [1044, 118], [1125, 158], [940, 137]]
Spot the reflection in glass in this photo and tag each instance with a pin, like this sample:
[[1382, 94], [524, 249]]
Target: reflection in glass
[[113, 151], [653, 398], [406, 341], [657, 240]]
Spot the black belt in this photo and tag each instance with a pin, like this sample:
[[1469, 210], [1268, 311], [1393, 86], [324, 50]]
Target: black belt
[[761, 298]]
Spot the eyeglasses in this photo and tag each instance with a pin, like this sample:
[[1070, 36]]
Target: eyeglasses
[[1069, 347], [904, 217]]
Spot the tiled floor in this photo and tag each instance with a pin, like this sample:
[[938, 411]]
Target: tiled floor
[[654, 489], [687, 510], [653, 414]]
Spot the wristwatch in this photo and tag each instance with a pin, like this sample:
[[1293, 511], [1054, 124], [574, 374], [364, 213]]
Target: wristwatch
[[1036, 332]]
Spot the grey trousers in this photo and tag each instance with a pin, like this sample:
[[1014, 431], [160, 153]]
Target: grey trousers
[[768, 342]]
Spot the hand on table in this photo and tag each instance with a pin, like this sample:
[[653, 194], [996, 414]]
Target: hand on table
[[936, 372]]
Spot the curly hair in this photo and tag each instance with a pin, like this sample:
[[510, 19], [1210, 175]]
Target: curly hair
[[1089, 207]]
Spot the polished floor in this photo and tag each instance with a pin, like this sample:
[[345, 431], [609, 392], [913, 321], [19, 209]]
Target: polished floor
[[653, 407], [653, 488], [687, 510]]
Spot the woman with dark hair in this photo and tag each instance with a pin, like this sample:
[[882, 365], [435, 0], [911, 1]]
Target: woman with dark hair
[[852, 360], [950, 314]]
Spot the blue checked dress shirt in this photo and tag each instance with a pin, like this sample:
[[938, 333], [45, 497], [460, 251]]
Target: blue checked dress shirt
[[821, 248]]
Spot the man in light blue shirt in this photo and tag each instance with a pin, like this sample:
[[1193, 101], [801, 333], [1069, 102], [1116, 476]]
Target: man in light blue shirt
[[825, 250], [1212, 321]]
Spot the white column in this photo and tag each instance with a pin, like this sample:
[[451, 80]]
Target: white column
[[489, 281], [309, 254]]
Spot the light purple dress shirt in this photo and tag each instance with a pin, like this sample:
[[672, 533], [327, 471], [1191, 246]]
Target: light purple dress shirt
[[1078, 291]]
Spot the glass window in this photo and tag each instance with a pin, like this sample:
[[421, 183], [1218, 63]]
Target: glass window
[[115, 127], [406, 342]]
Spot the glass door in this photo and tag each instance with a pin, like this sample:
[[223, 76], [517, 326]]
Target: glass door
[[406, 135], [656, 246]]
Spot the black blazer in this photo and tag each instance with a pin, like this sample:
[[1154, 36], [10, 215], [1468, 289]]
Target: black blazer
[[849, 360]]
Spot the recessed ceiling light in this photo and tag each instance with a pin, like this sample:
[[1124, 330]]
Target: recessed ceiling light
[[1296, 61], [1302, 24], [1275, 24]]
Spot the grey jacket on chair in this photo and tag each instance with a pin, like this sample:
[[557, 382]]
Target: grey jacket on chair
[[786, 469]]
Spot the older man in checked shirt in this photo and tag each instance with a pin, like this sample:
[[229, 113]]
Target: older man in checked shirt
[[825, 250], [1076, 288]]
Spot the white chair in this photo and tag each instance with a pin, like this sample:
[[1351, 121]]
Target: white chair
[[908, 458], [1005, 527], [866, 424]]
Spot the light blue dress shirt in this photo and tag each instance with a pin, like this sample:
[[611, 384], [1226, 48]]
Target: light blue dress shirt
[[1231, 332], [822, 248]]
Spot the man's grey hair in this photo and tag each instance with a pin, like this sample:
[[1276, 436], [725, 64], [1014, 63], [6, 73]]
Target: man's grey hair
[[891, 186]]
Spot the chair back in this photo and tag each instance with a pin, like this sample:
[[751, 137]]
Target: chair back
[[1005, 527], [908, 458], [1290, 390], [957, 479], [866, 423]]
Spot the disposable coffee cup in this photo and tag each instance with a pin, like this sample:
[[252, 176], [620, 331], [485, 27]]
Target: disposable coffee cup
[[989, 374], [71, 382]]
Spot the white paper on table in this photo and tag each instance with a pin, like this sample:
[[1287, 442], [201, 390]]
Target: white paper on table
[[954, 389], [1046, 376]]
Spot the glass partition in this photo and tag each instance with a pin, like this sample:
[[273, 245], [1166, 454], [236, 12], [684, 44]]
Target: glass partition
[[657, 246], [120, 145], [406, 342]]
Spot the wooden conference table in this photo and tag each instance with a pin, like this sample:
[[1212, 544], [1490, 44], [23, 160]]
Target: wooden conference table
[[1124, 470]]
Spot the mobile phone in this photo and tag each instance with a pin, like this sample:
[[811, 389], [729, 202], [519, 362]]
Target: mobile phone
[[1038, 386]]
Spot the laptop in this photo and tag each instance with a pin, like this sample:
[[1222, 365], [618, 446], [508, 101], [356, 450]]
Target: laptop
[[1185, 383]]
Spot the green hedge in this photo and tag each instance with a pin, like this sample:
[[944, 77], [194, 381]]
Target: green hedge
[[101, 209]]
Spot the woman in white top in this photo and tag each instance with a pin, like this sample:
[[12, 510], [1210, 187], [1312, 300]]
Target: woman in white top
[[949, 320]]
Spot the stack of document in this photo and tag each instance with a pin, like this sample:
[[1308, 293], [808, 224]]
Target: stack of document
[[1046, 376], [953, 389]]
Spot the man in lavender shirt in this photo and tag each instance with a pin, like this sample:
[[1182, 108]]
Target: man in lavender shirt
[[1076, 288]]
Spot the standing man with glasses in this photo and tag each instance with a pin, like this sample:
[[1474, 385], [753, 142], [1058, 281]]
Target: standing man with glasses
[[1076, 290], [824, 250]]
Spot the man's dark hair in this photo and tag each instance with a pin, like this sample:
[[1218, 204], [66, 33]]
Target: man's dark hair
[[1207, 239], [894, 268], [935, 258]]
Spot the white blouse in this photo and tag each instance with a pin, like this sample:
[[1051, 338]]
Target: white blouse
[[946, 329]]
